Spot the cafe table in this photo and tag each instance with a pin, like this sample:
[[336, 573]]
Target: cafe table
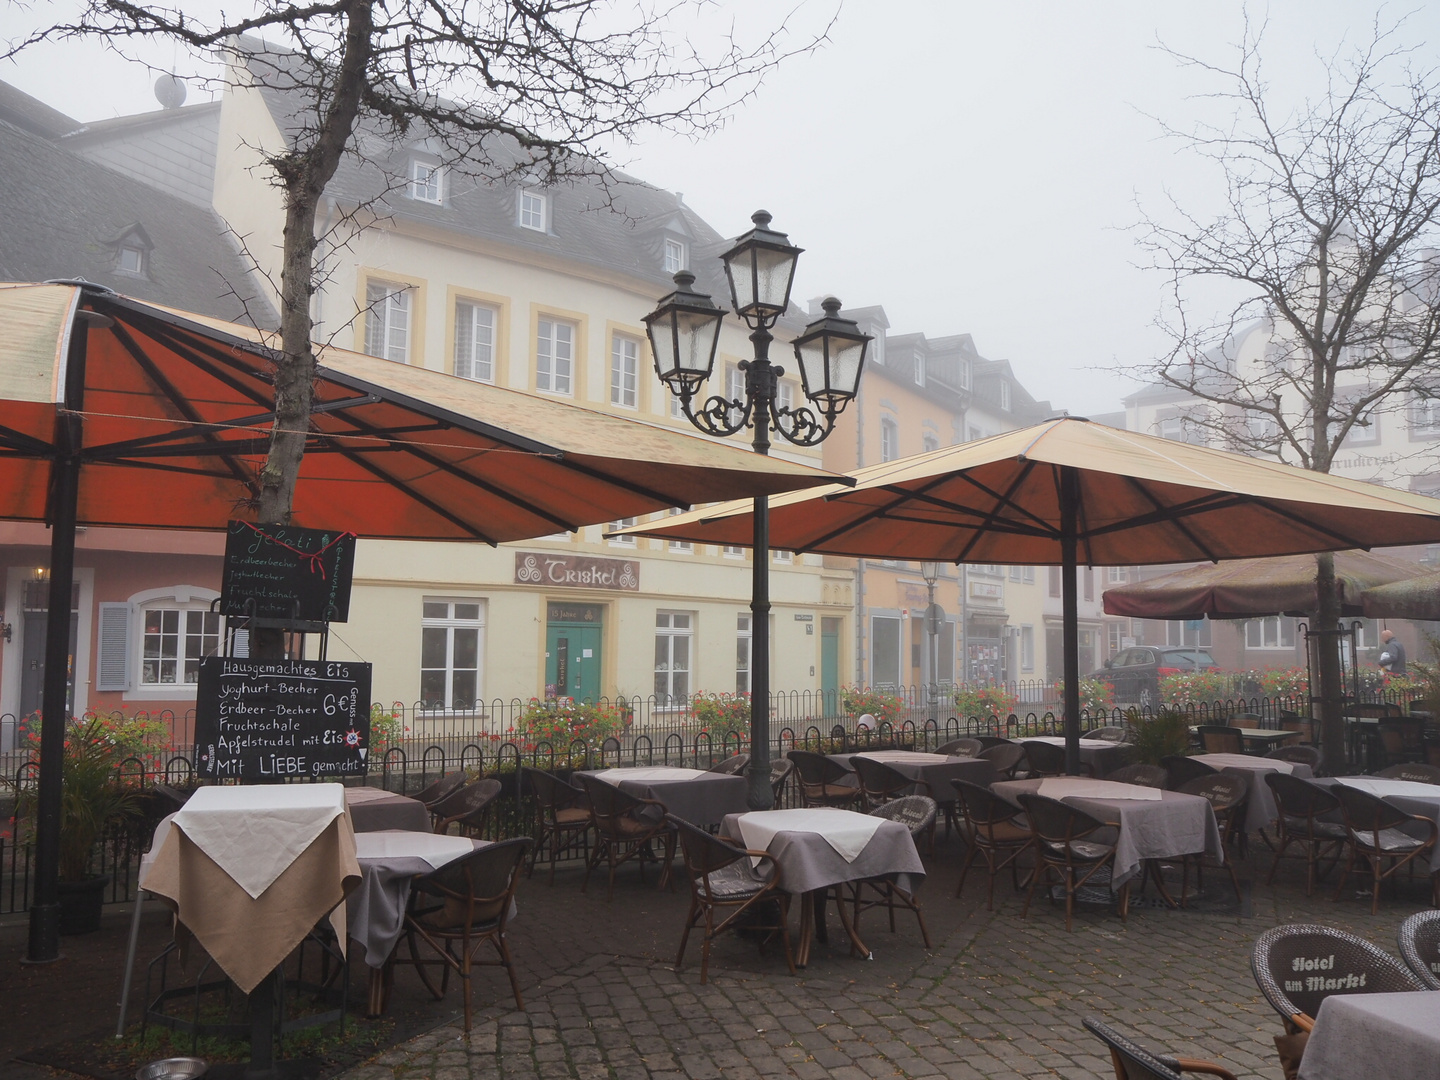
[[373, 809], [1260, 807], [1406, 795], [1154, 824], [819, 848], [934, 770], [1375, 1037], [1262, 738], [702, 798], [1102, 755]]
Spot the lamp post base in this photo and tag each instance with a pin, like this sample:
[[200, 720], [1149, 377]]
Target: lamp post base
[[44, 947]]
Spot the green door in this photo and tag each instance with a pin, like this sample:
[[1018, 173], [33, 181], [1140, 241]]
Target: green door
[[830, 664], [572, 651]]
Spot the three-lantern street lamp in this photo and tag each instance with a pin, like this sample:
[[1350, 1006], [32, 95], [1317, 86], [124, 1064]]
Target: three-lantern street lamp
[[684, 332]]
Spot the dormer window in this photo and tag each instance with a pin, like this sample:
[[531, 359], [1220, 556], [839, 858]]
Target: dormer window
[[534, 207], [130, 259], [131, 252], [675, 256], [919, 369], [964, 374], [1005, 396], [427, 181]]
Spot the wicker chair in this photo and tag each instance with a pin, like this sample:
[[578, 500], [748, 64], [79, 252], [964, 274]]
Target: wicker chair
[[733, 765], [468, 902], [1304, 726], [1419, 941], [1302, 805], [1111, 733], [467, 808], [916, 813], [780, 770], [1217, 739], [442, 789], [1402, 739], [1296, 995], [987, 741], [1180, 770], [721, 879], [822, 781], [1244, 719], [562, 816], [994, 830], [1414, 771], [1374, 832], [1047, 759], [1226, 795], [880, 783], [1298, 753], [1062, 845], [964, 747], [1134, 1062], [1138, 773], [624, 831], [1007, 757]]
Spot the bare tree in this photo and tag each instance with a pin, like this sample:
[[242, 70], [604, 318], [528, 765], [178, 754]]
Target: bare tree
[[544, 88], [1324, 247]]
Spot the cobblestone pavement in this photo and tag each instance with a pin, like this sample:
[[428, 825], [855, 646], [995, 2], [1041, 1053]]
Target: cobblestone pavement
[[997, 997]]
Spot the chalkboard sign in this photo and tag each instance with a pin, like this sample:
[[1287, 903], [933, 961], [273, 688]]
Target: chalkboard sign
[[279, 572], [272, 719]]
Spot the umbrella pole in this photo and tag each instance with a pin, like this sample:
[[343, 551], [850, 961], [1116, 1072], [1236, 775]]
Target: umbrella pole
[[44, 940], [1070, 606], [761, 796]]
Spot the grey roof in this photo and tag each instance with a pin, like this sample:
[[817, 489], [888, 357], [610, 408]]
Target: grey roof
[[32, 115], [63, 216]]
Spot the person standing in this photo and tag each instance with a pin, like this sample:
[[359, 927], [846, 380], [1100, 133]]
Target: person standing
[[1392, 654]]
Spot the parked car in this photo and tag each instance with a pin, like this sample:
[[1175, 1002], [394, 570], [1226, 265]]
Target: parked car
[[1135, 673]]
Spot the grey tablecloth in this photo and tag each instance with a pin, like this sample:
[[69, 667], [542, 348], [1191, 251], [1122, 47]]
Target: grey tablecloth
[[939, 773], [701, 801], [1375, 1037], [376, 909], [1426, 807], [1173, 825], [376, 810], [1260, 808], [1101, 755], [808, 862]]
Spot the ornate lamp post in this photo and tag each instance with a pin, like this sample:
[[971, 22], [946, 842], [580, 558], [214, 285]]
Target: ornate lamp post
[[930, 571], [684, 332]]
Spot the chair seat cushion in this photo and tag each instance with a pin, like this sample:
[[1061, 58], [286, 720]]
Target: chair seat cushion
[[734, 882], [1324, 830], [831, 791], [629, 826], [572, 815], [1081, 850], [451, 915], [1004, 832], [1391, 840]]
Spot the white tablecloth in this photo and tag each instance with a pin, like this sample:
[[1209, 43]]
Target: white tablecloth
[[844, 830], [1078, 787], [1375, 1037], [649, 773]]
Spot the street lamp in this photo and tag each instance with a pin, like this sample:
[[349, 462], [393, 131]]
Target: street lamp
[[684, 332], [930, 571]]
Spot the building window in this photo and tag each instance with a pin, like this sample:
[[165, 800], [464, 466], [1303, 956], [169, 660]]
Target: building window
[[622, 541], [450, 640], [427, 180], [1087, 577], [1188, 632], [554, 356], [674, 256], [731, 551], [475, 341], [1276, 632], [1015, 573], [1425, 417], [173, 642], [1184, 429], [684, 547], [786, 557], [1114, 633], [624, 371], [1004, 395], [742, 653], [674, 631], [784, 395], [1027, 648], [964, 372], [677, 410], [734, 391], [930, 442], [1054, 580], [885, 650], [130, 259], [1027, 575], [919, 369], [387, 321], [533, 207], [889, 439], [1116, 575]]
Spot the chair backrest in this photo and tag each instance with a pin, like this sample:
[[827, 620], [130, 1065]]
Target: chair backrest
[[816, 769], [1299, 965], [551, 792], [168, 799], [488, 875], [967, 747], [1218, 739], [1139, 773], [1308, 729], [1131, 1061], [1244, 719], [608, 803], [1299, 798], [1224, 791], [1419, 941], [1005, 756], [915, 812], [1373, 708], [469, 803], [980, 806], [987, 741], [1300, 755], [703, 853], [443, 788], [1413, 771], [1402, 735], [1046, 759], [732, 765], [879, 780], [1180, 769], [1057, 822], [1366, 813], [1111, 733]]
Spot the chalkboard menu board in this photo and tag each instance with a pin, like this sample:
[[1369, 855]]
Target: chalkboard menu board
[[272, 719], [279, 572]]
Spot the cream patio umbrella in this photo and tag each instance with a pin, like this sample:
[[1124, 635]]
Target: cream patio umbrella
[[1071, 492]]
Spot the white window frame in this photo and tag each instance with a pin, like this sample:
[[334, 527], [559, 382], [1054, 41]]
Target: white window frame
[[889, 439], [1027, 648], [388, 320], [184, 598], [137, 257], [1272, 632], [744, 651], [929, 442], [622, 541], [1004, 395], [734, 391], [670, 631], [785, 557], [451, 622], [555, 373], [1425, 418], [784, 395], [475, 358], [624, 371], [919, 368], [732, 551], [675, 257], [532, 210], [875, 671], [427, 181]]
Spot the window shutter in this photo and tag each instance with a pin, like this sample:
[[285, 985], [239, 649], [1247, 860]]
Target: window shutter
[[114, 665]]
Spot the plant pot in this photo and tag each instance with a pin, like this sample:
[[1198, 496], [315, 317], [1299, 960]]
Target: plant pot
[[80, 904]]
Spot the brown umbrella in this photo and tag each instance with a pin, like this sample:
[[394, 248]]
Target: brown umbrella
[[1414, 598], [1069, 492], [1248, 588]]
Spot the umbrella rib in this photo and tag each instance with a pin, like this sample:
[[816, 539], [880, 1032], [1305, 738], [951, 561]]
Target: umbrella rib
[[26, 444], [1000, 501], [200, 355], [1008, 528], [628, 485], [1348, 541], [902, 496], [1167, 515]]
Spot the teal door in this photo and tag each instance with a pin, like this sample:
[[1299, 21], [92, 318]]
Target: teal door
[[572, 652], [830, 664]]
